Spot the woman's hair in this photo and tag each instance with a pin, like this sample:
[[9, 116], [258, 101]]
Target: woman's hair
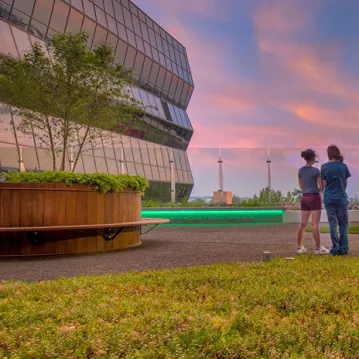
[[334, 153], [309, 155]]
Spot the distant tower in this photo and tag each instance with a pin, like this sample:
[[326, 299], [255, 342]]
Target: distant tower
[[269, 177], [220, 163], [221, 197]]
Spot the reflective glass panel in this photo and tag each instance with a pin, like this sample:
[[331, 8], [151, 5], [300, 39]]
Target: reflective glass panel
[[100, 36], [74, 22], [120, 52], [159, 42], [136, 25], [4, 10], [6, 128], [165, 156], [77, 4], [148, 172], [88, 26], [144, 152], [111, 24], [163, 174], [139, 43], [118, 12], [154, 73], [109, 7], [7, 45], [136, 150], [128, 20], [89, 9], [137, 67], [121, 31], [130, 57], [155, 173], [139, 169], [148, 49], [161, 78], [89, 164], [99, 3], [19, 19], [152, 37], [144, 31], [112, 167], [101, 17], [25, 6], [146, 69], [111, 41], [131, 38], [22, 41], [167, 83], [101, 165], [131, 169], [42, 10], [125, 3]]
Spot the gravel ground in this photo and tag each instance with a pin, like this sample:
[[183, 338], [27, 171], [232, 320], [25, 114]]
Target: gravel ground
[[171, 247]]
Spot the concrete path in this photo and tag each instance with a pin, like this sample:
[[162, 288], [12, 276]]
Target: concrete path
[[171, 247]]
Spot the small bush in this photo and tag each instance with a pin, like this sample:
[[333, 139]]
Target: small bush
[[100, 181]]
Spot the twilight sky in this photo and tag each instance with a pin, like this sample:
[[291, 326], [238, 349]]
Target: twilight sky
[[277, 73]]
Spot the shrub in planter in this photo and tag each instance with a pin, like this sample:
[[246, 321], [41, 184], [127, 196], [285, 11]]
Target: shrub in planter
[[100, 181]]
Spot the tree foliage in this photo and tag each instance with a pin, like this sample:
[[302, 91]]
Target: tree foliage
[[68, 95]]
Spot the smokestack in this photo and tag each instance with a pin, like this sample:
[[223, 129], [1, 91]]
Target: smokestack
[[220, 163], [269, 177]]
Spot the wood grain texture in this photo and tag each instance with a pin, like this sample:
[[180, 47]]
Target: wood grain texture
[[36, 205]]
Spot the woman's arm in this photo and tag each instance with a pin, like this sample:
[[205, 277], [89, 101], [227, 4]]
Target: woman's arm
[[300, 183], [320, 184]]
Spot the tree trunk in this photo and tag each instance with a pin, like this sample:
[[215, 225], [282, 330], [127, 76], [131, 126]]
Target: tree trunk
[[52, 147], [64, 147], [80, 148]]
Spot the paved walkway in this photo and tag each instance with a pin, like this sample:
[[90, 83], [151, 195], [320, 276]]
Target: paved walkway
[[171, 247]]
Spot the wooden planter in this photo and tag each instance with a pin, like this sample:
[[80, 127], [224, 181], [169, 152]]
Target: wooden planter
[[31, 205]]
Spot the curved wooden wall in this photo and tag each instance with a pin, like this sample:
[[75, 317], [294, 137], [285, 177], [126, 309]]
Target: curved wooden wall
[[38, 204]]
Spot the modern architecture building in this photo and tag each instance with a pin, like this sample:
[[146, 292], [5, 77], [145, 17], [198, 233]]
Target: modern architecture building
[[162, 81]]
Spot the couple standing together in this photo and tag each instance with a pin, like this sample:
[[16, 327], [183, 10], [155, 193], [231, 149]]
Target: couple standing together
[[333, 179]]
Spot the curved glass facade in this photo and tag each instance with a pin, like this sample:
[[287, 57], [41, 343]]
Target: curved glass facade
[[162, 81]]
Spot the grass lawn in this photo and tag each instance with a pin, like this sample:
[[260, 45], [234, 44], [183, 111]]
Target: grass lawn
[[353, 229], [302, 308]]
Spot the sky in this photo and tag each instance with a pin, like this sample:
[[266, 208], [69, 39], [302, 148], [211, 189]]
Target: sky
[[282, 74]]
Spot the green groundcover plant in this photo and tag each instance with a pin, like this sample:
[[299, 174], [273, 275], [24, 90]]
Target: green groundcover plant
[[100, 181], [303, 308]]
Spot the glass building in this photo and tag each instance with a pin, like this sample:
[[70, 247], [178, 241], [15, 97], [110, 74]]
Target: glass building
[[162, 81]]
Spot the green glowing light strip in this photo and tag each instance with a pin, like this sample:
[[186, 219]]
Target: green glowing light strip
[[201, 213], [203, 217]]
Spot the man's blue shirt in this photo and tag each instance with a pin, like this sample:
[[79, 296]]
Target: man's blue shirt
[[335, 174]]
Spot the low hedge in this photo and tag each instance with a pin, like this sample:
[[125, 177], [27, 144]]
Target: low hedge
[[100, 181]]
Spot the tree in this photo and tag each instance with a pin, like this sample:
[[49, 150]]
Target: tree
[[72, 98]]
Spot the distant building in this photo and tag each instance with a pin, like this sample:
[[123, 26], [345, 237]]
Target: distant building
[[162, 81]]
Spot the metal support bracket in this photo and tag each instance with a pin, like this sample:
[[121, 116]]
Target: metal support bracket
[[34, 238], [144, 233], [110, 234]]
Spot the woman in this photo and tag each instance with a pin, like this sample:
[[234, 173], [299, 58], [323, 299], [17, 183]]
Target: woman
[[335, 176], [311, 203]]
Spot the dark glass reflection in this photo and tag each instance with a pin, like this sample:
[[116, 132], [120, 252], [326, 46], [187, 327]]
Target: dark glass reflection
[[162, 191]]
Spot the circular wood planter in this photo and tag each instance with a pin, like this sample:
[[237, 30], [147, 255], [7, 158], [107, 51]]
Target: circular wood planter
[[40, 204]]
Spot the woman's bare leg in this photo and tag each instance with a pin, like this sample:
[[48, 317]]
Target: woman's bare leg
[[303, 223], [315, 227]]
